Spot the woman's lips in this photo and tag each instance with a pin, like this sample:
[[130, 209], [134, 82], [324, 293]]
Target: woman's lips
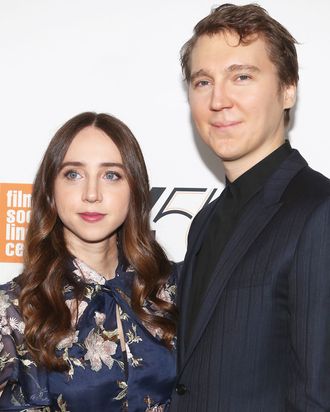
[[91, 216]]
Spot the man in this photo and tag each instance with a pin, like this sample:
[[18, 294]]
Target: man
[[254, 299]]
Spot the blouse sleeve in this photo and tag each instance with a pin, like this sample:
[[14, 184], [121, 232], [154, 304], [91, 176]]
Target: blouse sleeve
[[9, 324], [24, 385]]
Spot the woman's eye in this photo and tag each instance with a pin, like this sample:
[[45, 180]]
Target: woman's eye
[[112, 176], [72, 175]]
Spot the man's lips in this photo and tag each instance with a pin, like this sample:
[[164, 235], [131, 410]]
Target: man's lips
[[225, 125], [91, 216]]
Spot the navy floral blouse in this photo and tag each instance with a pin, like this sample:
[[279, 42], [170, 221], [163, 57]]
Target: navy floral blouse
[[101, 377]]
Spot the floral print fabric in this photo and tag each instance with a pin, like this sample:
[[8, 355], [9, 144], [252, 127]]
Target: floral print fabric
[[101, 377]]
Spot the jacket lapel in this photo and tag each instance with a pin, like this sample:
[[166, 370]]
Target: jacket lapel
[[189, 261], [255, 218]]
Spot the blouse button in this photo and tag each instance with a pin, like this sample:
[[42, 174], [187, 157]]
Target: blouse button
[[180, 389]]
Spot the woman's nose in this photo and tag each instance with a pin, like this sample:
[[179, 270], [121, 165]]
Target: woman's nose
[[92, 191]]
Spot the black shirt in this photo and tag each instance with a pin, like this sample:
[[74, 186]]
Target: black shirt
[[226, 216]]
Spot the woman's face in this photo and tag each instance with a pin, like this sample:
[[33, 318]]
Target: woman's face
[[92, 195]]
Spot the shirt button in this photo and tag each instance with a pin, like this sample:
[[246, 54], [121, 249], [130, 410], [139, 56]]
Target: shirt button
[[180, 389]]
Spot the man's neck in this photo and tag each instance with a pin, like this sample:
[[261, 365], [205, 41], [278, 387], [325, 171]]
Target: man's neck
[[235, 168]]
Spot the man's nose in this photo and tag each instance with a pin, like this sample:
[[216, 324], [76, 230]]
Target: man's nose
[[220, 98]]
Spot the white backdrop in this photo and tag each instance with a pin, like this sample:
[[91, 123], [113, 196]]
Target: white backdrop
[[59, 58]]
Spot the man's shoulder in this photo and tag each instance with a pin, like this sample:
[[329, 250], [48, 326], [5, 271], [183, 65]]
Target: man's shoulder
[[313, 176], [308, 184]]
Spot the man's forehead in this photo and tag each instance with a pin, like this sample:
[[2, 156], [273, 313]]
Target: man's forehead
[[221, 46]]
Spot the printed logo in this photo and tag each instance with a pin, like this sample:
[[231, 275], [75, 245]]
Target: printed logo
[[15, 204]]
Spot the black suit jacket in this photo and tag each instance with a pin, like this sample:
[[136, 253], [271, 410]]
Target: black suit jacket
[[261, 340]]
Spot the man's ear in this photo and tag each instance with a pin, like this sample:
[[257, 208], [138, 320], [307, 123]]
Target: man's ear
[[289, 96]]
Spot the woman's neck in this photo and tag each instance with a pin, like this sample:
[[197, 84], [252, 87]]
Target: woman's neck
[[102, 256]]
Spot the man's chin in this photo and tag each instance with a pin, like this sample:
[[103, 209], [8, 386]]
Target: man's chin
[[226, 156]]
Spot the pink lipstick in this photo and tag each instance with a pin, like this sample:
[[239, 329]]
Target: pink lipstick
[[91, 216]]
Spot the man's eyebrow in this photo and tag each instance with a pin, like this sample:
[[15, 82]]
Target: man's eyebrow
[[80, 164], [199, 73], [242, 67], [231, 69]]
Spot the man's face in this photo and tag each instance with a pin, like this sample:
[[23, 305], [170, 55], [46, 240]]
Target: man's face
[[236, 101]]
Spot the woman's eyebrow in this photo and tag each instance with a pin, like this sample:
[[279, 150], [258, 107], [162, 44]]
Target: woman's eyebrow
[[103, 164]]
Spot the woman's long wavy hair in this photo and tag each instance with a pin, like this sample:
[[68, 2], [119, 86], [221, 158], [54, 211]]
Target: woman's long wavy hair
[[47, 318]]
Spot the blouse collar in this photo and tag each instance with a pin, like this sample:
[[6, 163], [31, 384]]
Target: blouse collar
[[87, 274], [91, 276]]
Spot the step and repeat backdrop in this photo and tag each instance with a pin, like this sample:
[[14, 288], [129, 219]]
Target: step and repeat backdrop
[[59, 58]]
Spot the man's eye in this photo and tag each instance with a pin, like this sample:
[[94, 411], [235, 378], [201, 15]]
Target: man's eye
[[72, 175], [243, 77], [112, 176], [201, 83]]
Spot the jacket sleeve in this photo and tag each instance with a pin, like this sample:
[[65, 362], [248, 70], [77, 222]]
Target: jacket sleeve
[[309, 312]]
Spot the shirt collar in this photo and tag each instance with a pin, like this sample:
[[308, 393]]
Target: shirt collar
[[250, 182]]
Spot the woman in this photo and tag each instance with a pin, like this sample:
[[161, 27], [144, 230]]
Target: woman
[[89, 325]]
